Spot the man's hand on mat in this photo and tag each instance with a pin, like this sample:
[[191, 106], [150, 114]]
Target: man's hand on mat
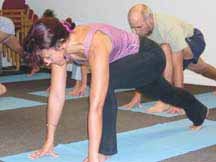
[[47, 149], [136, 100], [158, 107], [78, 91], [175, 110]]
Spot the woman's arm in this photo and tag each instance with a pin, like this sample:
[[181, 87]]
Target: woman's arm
[[56, 98], [55, 105], [99, 64]]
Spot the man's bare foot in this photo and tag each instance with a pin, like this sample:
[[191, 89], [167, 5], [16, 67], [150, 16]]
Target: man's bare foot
[[158, 107], [214, 92], [175, 110], [196, 128], [101, 157], [136, 100], [3, 89]]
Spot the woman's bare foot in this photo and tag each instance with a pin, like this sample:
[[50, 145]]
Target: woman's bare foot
[[3, 89], [101, 157], [196, 128], [136, 100], [158, 107]]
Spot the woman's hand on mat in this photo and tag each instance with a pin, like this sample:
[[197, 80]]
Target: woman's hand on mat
[[47, 149]]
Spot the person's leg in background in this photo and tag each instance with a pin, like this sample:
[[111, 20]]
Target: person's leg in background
[[197, 46]]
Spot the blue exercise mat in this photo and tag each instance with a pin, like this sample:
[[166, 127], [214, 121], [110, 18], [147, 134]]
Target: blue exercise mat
[[69, 97], [150, 144], [23, 77], [208, 99], [8, 103]]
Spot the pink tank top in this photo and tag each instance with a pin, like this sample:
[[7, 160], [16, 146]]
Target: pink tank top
[[123, 43]]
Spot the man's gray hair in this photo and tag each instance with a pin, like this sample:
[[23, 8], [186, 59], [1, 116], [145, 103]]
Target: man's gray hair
[[143, 9]]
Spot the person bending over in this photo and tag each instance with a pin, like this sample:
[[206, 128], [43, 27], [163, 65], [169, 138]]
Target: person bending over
[[115, 57]]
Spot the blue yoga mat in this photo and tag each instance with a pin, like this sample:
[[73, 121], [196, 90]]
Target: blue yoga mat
[[23, 77], [150, 144], [68, 97], [8, 103], [208, 99]]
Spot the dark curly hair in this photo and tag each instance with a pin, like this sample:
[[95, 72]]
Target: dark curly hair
[[45, 33]]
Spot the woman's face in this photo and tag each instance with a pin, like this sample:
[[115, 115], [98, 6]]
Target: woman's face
[[53, 56]]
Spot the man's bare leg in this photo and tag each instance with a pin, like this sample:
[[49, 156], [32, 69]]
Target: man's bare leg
[[204, 69], [208, 71]]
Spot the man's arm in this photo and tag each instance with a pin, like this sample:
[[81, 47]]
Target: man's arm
[[178, 73], [176, 40], [168, 71]]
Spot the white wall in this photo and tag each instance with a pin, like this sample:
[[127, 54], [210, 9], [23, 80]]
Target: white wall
[[198, 12]]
